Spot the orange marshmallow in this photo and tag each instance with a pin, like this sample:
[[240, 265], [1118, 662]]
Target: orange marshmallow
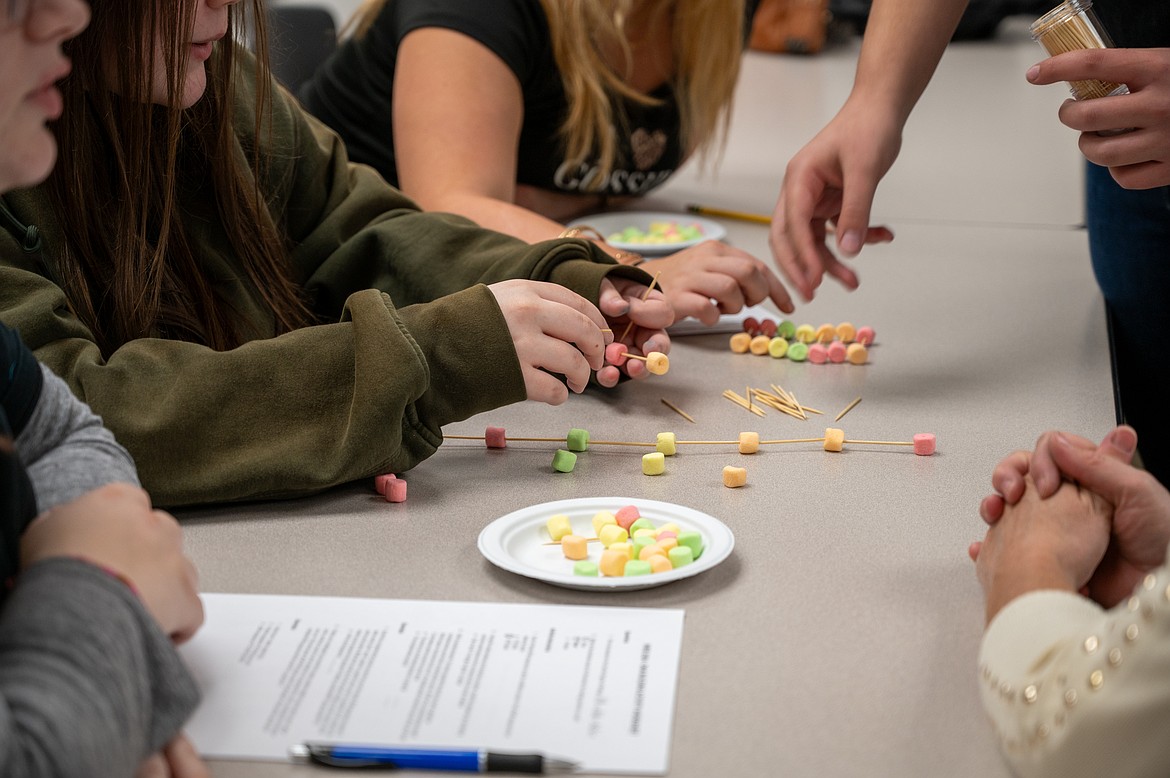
[[574, 547]]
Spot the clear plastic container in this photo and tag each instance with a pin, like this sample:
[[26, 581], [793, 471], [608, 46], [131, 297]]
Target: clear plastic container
[[1070, 26]]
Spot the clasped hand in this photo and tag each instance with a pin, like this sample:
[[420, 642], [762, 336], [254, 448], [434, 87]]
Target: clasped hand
[[1078, 510]]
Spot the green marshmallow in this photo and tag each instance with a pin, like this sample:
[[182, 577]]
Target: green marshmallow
[[586, 568], [642, 523], [637, 567], [577, 440], [641, 543], [798, 352], [680, 556], [693, 541], [786, 329], [564, 461]]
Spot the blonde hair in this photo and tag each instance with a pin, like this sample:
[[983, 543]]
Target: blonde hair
[[707, 38]]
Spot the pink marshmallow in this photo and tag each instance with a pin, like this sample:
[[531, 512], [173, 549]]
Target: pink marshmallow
[[627, 516], [666, 533], [837, 351], [924, 444], [380, 482], [615, 353], [396, 490], [495, 437], [865, 335], [818, 354]]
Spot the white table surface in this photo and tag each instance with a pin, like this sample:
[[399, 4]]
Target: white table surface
[[840, 637]]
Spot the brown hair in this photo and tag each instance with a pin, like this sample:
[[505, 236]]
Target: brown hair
[[127, 260], [708, 38]]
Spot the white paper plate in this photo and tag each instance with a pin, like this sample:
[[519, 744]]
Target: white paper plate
[[516, 541], [609, 223], [728, 322]]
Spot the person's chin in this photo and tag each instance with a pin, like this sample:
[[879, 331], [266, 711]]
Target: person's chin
[[195, 86], [30, 167]]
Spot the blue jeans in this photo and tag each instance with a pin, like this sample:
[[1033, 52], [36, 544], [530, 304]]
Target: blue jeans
[[1129, 239]]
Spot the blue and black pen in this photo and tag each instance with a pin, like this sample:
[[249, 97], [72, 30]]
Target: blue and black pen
[[387, 757]]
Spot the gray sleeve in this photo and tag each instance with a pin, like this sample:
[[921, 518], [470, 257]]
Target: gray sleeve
[[89, 685], [66, 449]]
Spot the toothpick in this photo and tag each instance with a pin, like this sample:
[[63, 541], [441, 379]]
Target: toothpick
[[510, 438], [848, 408], [736, 442], [792, 413], [799, 408], [620, 443], [775, 403], [880, 442], [735, 398], [557, 542], [678, 410], [768, 400], [787, 396], [645, 294], [742, 403]]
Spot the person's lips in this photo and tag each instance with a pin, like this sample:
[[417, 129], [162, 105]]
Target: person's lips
[[46, 95], [201, 49]]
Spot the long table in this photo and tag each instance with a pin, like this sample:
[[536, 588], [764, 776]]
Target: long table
[[840, 638]]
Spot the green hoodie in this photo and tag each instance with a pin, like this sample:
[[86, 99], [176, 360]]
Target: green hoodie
[[413, 339]]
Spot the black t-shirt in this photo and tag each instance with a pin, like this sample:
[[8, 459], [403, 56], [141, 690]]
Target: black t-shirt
[[352, 94], [1137, 24]]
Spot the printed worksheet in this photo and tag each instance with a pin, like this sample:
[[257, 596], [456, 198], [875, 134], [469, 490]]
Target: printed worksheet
[[589, 684]]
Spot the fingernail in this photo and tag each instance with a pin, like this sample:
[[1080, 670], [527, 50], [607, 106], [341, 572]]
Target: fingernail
[[1124, 439], [1032, 73], [650, 345], [850, 242]]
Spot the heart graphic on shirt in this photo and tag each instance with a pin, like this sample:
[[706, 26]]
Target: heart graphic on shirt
[[648, 147]]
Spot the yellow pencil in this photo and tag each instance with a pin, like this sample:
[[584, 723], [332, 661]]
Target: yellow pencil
[[703, 210], [757, 218]]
